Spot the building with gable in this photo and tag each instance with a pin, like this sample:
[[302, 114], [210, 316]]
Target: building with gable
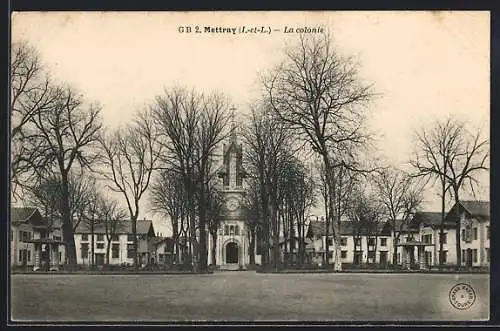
[[232, 245], [35, 241], [474, 231], [121, 247]]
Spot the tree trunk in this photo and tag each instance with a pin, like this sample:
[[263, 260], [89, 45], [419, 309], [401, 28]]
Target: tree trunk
[[68, 224], [251, 247], [177, 253], [92, 243], [395, 248], [214, 248], [441, 230], [457, 232], [134, 233], [203, 232], [108, 246]]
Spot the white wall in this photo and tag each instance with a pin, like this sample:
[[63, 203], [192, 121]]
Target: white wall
[[480, 244], [116, 261]]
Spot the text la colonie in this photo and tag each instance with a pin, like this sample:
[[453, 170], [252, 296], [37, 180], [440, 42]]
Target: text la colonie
[[247, 29]]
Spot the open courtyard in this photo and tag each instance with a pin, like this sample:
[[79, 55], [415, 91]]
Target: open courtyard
[[244, 296]]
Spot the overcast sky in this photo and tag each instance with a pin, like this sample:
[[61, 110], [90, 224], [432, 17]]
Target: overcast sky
[[425, 65]]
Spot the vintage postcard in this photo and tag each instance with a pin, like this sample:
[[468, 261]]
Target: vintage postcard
[[213, 167]]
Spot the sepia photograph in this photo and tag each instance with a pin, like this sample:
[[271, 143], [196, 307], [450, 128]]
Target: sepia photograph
[[267, 166]]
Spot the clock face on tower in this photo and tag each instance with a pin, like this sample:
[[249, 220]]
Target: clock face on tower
[[232, 204]]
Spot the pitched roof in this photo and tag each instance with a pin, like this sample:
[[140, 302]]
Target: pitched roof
[[347, 228], [122, 227], [405, 226], [432, 219], [160, 240], [477, 208], [21, 213], [26, 214]]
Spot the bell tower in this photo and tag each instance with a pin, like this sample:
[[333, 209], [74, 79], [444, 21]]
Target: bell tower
[[232, 241]]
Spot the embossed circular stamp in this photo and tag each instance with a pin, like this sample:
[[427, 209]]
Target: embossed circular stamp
[[462, 296]]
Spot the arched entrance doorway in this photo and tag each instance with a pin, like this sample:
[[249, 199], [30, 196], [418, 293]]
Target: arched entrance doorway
[[232, 252]]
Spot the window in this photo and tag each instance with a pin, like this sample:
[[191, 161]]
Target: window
[[383, 257], [237, 230], [115, 251], [226, 230], [445, 257], [463, 255], [330, 255], [24, 235], [343, 254], [85, 250], [130, 251], [428, 258], [330, 241], [399, 258], [99, 246], [468, 234], [444, 238], [60, 256], [160, 257], [24, 255], [100, 237], [383, 242], [56, 237], [358, 255], [463, 234], [343, 241], [357, 242], [231, 230], [115, 237], [371, 256], [85, 237], [371, 241], [474, 255], [427, 238], [487, 255], [474, 234]]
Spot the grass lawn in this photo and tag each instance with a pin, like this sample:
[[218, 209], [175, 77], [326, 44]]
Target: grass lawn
[[244, 296]]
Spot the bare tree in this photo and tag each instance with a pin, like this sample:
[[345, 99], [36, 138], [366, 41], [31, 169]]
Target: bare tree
[[214, 118], [297, 198], [252, 207], [192, 125], [268, 146], [319, 95], [167, 198], [112, 216], [399, 193], [215, 209], [453, 155], [58, 137], [31, 92], [130, 157], [365, 213], [176, 118], [47, 195]]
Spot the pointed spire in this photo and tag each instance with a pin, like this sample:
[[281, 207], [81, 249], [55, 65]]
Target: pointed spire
[[233, 125]]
